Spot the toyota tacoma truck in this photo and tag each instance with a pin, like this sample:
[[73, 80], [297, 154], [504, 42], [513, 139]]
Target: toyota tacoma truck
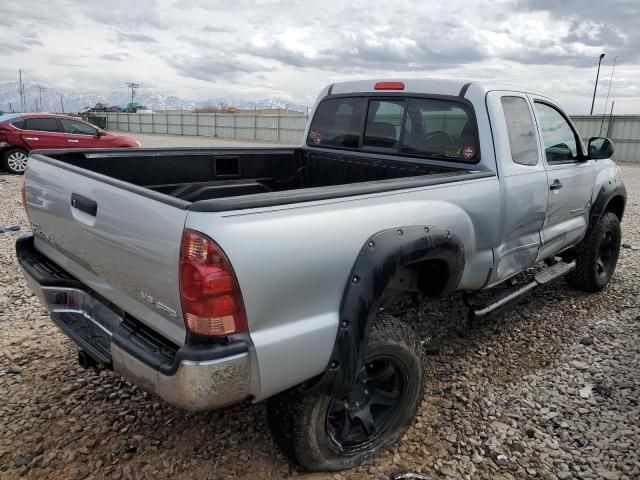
[[216, 275]]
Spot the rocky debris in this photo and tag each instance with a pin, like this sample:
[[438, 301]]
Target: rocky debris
[[503, 396], [587, 341]]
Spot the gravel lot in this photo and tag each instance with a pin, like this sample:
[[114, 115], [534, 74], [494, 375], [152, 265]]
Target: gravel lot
[[550, 389]]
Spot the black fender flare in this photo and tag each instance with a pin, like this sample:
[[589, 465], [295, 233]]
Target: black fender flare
[[380, 258], [609, 189]]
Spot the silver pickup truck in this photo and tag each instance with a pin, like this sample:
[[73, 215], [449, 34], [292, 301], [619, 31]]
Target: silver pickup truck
[[211, 276]]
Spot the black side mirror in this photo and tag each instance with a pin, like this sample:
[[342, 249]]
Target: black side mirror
[[600, 147]]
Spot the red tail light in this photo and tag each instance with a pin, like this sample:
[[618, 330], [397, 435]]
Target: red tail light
[[211, 299], [389, 86]]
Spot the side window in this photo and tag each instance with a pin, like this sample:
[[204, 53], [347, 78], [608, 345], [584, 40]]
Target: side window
[[384, 122], [559, 139], [42, 124], [520, 128], [18, 124], [77, 128], [337, 123]]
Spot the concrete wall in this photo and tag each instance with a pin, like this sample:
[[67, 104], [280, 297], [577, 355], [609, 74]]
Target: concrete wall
[[239, 126], [623, 130]]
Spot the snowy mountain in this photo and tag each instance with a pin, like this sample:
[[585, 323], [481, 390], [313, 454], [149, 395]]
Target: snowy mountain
[[77, 101]]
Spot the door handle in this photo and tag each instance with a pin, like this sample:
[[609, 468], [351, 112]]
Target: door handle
[[73, 141], [556, 185], [35, 139], [84, 204]]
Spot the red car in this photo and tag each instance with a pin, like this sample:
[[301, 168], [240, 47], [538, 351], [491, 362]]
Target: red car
[[22, 132]]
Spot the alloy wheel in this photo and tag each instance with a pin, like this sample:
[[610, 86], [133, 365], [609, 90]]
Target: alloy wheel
[[356, 423], [17, 162]]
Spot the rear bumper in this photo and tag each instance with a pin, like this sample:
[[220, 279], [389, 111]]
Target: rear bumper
[[190, 377]]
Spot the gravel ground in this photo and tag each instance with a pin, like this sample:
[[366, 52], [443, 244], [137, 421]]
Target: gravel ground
[[172, 141], [550, 389]]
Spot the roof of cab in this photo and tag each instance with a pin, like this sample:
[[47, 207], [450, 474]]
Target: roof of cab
[[435, 86]]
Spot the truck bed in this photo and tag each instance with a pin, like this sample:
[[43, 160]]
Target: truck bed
[[231, 178]]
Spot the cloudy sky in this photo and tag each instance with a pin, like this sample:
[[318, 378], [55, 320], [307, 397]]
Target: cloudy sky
[[199, 49]]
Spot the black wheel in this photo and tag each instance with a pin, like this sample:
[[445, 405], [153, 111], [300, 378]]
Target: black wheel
[[14, 160], [596, 259], [323, 433]]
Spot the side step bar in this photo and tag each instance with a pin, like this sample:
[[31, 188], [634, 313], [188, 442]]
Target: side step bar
[[542, 278]]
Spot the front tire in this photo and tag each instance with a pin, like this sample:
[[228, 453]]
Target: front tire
[[597, 257], [324, 433], [14, 161]]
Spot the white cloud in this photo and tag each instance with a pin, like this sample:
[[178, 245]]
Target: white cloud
[[201, 49]]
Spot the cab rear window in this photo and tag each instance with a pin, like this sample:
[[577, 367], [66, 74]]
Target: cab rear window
[[432, 128]]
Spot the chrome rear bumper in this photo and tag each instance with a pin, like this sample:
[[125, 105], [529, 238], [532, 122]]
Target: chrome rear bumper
[[193, 378]]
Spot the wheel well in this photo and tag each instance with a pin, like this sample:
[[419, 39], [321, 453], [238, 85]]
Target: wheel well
[[616, 205], [429, 277]]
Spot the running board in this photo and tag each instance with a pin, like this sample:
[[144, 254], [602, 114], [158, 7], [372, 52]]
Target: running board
[[541, 278]]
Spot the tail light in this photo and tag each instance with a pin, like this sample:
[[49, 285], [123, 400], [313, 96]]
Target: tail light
[[211, 299]]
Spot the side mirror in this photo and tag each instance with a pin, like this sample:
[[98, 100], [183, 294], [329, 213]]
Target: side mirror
[[599, 148], [100, 133]]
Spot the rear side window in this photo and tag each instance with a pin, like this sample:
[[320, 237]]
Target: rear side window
[[437, 129], [337, 123], [440, 129], [42, 124], [520, 128]]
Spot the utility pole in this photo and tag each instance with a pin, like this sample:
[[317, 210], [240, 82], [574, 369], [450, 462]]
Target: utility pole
[[596, 86], [61, 103], [22, 102], [134, 87], [40, 96], [606, 102]]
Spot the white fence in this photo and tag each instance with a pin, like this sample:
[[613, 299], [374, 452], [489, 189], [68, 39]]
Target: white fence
[[239, 126], [624, 130]]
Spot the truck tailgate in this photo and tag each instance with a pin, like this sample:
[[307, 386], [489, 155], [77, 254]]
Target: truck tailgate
[[123, 245]]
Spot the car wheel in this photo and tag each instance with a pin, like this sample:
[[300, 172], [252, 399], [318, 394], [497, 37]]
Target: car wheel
[[14, 161], [597, 258], [324, 433]]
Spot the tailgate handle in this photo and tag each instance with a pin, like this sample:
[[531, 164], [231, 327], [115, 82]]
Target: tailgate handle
[[84, 204]]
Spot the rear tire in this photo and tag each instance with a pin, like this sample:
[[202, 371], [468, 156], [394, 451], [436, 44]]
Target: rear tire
[[14, 161], [323, 433], [597, 257]]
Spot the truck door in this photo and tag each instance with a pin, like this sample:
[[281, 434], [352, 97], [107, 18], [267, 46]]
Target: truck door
[[570, 180], [523, 183]]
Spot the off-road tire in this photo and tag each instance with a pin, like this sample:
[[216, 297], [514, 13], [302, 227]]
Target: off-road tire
[[586, 275], [299, 419], [6, 163]]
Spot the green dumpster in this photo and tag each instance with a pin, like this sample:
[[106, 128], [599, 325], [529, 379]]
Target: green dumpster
[[100, 122]]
